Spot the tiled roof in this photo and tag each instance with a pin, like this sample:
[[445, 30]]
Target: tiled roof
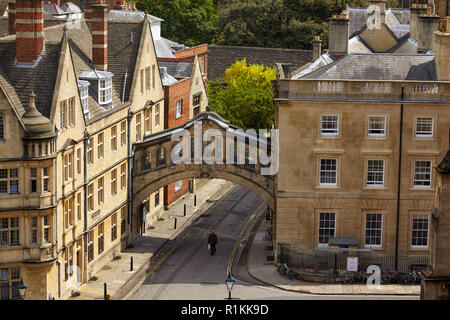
[[221, 58], [379, 66], [177, 69]]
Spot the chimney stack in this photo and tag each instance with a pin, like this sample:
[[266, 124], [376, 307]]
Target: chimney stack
[[382, 5], [317, 48], [29, 31], [416, 10], [120, 5], [426, 26], [11, 17], [88, 9], [338, 33], [441, 49], [100, 36]]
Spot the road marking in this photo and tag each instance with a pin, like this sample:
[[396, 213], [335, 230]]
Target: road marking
[[241, 234], [155, 266], [226, 194]]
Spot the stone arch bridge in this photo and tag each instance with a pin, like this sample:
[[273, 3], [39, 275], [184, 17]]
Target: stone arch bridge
[[206, 153]]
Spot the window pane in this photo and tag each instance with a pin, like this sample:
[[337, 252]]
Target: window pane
[[424, 126], [328, 171], [422, 173], [377, 126], [375, 172], [330, 125]]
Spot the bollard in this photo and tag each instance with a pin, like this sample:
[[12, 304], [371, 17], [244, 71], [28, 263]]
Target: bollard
[[195, 200], [131, 263], [184, 213], [175, 223], [105, 292]]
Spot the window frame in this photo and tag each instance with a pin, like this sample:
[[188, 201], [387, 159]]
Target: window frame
[[420, 230], [377, 135], [366, 229], [430, 173], [325, 184], [324, 211], [179, 109], [328, 134], [374, 183], [421, 135]]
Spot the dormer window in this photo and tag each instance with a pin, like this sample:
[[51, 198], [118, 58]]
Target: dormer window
[[83, 87], [105, 91], [101, 86]]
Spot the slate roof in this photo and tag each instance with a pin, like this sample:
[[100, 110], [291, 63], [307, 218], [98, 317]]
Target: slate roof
[[122, 55], [221, 58], [49, 21], [177, 69], [379, 66], [396, 19]]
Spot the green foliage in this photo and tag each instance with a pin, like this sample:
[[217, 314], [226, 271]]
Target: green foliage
[[245, 98], [280, 23], [191, 22]]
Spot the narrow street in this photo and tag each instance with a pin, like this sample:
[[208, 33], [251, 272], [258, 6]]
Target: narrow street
[[190, 272]]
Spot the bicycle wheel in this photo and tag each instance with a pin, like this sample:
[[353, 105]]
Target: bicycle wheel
[[359, 277], [410, 278], [330, 278], [402, 279], [347, 278], [386, 278], [281, 270], [290, 275]]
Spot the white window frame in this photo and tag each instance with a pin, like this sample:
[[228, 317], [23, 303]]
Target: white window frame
[[376, 122], [376, 229], [178, 185], [322, 123], [105, 90], [375, 183], [422, 173], [428, 231], [335, 171], [319, 244], [179, 109], [421, 134]]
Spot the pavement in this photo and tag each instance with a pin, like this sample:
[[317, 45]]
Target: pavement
[[264, 271], [150, 249], [147, 248]]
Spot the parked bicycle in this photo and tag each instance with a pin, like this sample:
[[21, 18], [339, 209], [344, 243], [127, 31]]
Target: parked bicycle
[[413, 277], [395, 277], [283, 269], [338, 276]]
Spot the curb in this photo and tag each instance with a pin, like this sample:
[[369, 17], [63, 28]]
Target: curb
[[322, 293], [130, 284]]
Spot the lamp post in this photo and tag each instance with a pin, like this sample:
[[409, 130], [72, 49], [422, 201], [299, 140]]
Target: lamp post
[[229, 281], [22, 288]]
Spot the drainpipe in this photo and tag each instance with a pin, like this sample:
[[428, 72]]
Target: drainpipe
[[56, 215], [130, 167], [124, 85], [399, 181]]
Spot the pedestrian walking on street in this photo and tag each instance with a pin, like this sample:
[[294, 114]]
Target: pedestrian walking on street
[[212, 241]]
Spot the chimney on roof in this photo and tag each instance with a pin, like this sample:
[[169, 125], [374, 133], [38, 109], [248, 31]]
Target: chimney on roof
[[416, 10], [441, 49], [317, 48], [338, 33], [120, 5], [88, 9], [426, 25], [29, 31], [100, 36], [381, 4], [11, 17]]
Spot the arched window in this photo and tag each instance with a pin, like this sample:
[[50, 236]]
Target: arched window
[[145, 161], [2, 135], [161, 156]]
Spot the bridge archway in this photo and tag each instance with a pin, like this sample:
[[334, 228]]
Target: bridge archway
[[153, 167]]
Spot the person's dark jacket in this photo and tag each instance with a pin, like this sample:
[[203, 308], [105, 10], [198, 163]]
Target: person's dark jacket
[[212, 239]]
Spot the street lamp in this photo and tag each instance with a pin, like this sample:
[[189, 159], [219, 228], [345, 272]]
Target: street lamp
[[230, 283], [22, 288]]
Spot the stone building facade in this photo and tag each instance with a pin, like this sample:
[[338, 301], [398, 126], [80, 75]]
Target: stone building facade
[[70, 111], [360, 134]]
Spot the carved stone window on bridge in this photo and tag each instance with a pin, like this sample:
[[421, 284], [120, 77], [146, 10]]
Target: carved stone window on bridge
[[161, 157], [145, 161]]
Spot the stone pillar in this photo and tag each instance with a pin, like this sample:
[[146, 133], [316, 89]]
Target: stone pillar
[[29, 30], [317, 48], [100, 36]]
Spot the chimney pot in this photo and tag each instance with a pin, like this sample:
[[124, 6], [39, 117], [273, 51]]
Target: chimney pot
[[317, 48]]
